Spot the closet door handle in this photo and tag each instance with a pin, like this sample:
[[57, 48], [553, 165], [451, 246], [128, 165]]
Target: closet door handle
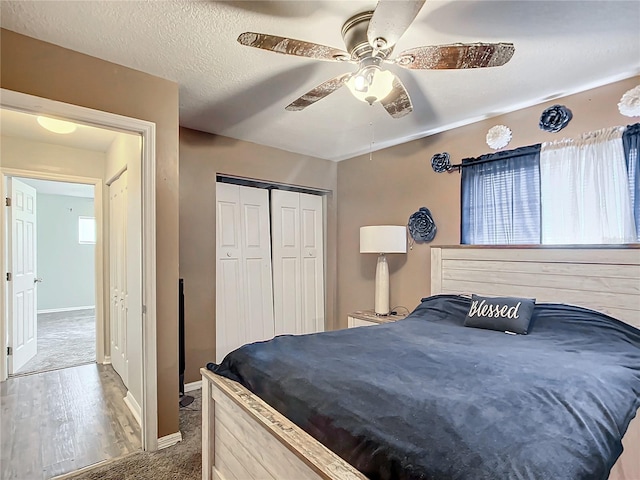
[[37, 280]]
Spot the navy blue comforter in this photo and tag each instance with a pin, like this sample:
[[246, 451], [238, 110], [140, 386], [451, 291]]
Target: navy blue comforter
[[427, 398]]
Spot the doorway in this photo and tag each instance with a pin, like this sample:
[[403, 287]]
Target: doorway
[[24, 103], [63, 329]]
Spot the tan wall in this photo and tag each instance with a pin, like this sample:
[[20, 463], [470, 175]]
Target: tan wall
[[399, 180], [45, 70], [202, 157]]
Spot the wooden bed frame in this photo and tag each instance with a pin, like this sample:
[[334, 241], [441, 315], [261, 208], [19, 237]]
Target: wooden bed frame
[[244, 438]]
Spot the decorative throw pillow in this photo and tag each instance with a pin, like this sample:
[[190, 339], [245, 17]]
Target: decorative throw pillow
[[504, 314]]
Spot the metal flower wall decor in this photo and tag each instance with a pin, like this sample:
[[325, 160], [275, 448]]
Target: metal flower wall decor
[[630, 103], [441, 162], [498, 136], [555, 118], [421, 226]]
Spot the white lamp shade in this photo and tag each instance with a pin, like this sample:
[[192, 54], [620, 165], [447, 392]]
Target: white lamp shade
[[383, 239]]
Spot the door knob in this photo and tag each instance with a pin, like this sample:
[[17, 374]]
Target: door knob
[[37, 280]]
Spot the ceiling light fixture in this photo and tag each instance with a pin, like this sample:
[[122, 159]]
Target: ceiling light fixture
[[371, 84], [57, 126]]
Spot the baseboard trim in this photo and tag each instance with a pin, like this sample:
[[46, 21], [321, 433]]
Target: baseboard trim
[[169, 440], [66, 309], [190, 387], [134, 406]]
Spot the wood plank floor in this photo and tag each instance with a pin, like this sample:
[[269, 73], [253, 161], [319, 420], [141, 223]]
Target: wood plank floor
[[58, 421]]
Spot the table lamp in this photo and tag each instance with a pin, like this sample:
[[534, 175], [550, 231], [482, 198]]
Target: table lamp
[[383, 239]]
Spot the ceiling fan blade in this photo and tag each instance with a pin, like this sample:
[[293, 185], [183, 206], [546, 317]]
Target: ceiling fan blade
[[458, 55], [318, 93], [397, 103], [390, 20], [291, 46]]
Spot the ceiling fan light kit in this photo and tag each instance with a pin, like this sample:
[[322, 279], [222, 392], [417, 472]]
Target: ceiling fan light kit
[[369, 38], [371, 84]]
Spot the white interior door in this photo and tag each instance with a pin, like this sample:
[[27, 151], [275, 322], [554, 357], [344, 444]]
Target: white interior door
[[22, 266], [244, 293], [298, 262], [118, 275]]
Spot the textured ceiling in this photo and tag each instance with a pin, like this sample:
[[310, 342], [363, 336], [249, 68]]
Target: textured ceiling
[[561, 47]]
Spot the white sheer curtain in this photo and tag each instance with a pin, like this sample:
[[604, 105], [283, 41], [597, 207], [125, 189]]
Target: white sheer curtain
[[585, 190]]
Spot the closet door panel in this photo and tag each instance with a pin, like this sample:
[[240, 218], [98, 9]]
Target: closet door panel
[[288, 317], [312, 254], [230, 314], [230, 325], [256, 254], [285, 239]]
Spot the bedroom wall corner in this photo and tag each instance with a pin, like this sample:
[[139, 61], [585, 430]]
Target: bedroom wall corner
[[397, 181], [203, 156]]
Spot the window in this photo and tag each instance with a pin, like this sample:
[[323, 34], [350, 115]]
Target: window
[[86, 230], [501, 198], [572, 191]]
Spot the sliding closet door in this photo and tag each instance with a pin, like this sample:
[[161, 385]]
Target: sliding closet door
[[298, 255], [285, 238], [312, 255], [244, 294]]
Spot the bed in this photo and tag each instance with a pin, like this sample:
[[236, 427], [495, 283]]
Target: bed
[[244, 437]]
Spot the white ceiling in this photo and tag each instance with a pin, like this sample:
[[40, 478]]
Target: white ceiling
[[25, 125], [561, 47], [60, 188]]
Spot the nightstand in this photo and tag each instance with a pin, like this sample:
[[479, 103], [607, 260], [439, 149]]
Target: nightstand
[[367, 318]]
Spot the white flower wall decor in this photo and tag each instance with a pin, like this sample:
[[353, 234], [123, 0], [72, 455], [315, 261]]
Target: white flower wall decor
[[498, 136], [630, 103]]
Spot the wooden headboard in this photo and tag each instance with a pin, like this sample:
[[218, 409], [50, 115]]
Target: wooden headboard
[[603, 279]]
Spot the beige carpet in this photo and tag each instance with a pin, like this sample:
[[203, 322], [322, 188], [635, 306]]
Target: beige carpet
[[65, 339], [182, 461]]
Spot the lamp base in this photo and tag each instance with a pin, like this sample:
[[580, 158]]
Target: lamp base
[[382, 286]]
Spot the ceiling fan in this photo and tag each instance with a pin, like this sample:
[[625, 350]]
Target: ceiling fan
[[369, 38]]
